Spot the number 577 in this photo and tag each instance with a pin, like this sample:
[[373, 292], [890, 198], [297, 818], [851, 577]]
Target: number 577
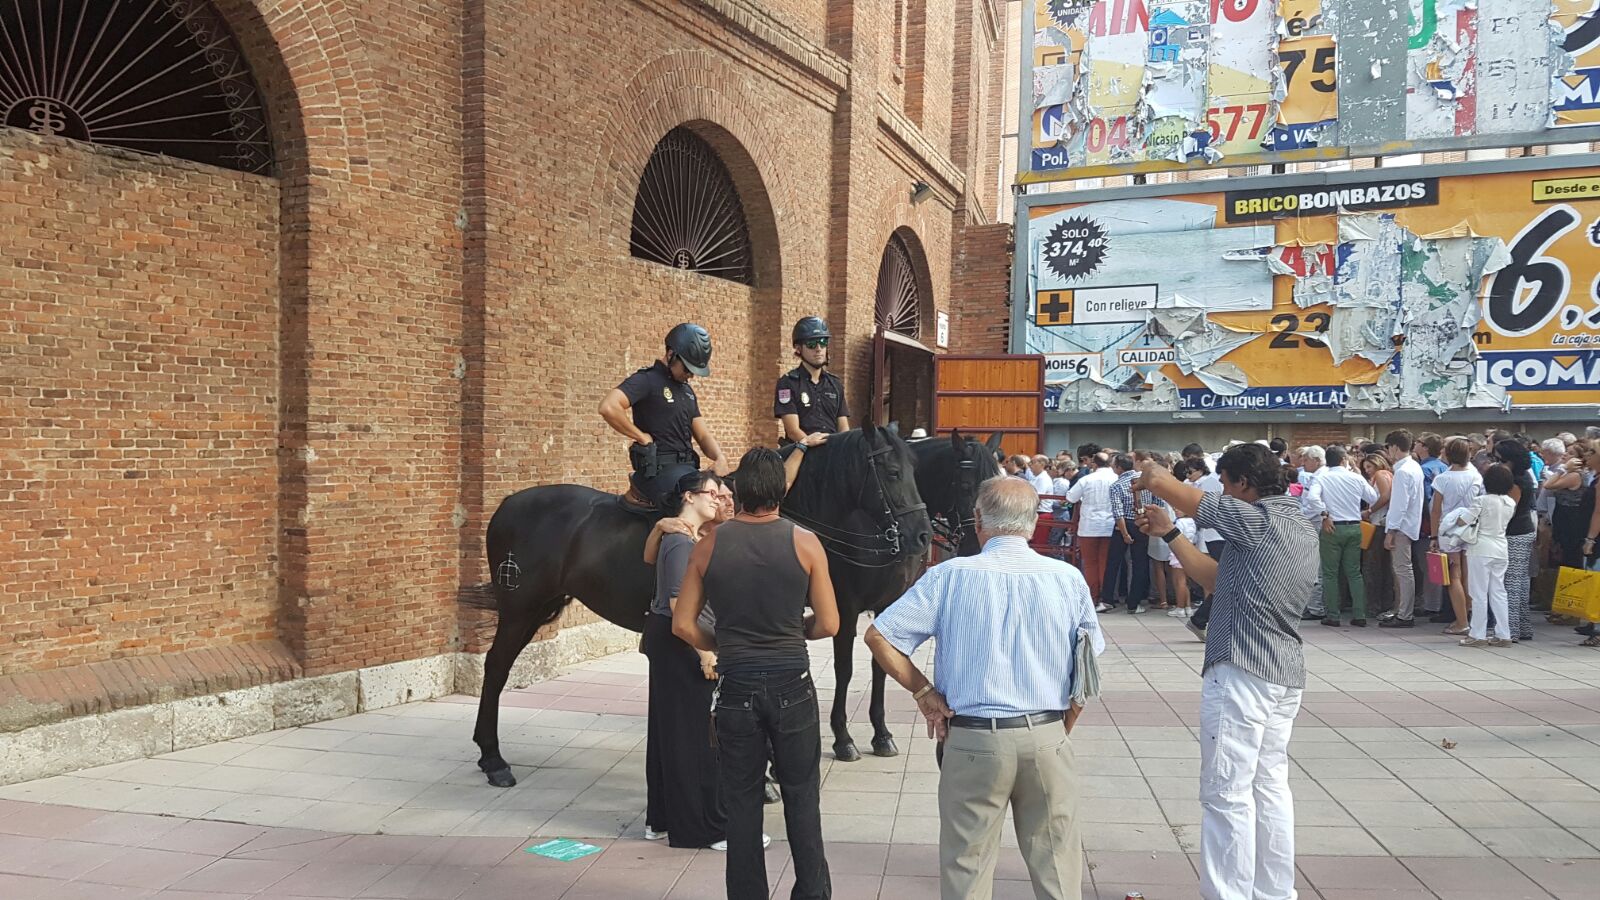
[[1257, 112]]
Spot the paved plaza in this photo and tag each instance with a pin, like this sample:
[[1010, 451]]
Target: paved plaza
[[1421, 770]]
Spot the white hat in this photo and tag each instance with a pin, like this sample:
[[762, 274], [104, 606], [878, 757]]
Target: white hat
[[918, 433]]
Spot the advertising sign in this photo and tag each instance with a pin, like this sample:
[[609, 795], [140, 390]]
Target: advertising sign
[[1146, 85], [1377, 290]]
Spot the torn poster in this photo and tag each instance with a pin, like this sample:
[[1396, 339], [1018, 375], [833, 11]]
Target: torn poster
[[1441, 63], [1176, 66], [1241, 80], [1575, 82], [1310, 104], [1517, 50]]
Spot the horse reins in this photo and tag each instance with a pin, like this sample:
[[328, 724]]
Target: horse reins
[[841, 537]]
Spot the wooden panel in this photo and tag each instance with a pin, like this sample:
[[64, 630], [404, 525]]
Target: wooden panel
[[990, 413], [986, 394], [1005, 374]]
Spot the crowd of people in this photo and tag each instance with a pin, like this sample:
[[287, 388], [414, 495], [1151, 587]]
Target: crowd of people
[[1454, 530]]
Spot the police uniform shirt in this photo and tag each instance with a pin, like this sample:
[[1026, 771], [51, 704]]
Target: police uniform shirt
[[819, 405], [663, 407]]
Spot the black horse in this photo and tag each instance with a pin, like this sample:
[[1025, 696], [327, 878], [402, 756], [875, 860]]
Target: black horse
[[948, 475], [548, 545], [949, 471]]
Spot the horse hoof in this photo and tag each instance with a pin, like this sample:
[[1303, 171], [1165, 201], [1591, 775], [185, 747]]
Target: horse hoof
[[770, 794], [502, 778], [846, 752], [884, 747]]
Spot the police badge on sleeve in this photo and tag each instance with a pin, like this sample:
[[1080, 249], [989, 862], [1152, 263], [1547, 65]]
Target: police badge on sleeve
[[784, 394]]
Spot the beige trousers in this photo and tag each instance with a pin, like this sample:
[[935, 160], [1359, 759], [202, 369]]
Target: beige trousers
[[1032, 770]]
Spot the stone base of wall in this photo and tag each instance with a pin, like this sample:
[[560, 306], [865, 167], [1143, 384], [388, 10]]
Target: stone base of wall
[[120, 735]]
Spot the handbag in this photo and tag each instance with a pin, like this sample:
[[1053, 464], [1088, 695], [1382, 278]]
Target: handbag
[[1438, 568], [1368, 532], [1577, 594]]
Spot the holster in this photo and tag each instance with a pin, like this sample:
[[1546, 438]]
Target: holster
[[643, 459]]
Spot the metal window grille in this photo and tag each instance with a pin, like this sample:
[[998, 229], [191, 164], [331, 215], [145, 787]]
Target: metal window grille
[[899, 300], [156, 76], [687, 213]]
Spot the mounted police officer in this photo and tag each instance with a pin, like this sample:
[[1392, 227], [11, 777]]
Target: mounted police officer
[[666, 416], [810, 399]]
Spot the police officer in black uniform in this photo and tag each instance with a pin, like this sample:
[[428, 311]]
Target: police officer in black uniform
[[666, 415], [810, 399]]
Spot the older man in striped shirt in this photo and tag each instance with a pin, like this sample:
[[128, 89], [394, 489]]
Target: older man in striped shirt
[[1254, 670], [1005, 625]]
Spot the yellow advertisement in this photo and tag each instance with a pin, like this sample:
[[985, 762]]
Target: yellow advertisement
[[1575, 93], [1397, 292]]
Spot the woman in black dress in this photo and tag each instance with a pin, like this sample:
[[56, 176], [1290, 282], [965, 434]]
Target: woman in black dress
[[684, 801]]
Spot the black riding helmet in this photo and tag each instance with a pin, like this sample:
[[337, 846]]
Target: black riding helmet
[[809, 329], [691, 344]]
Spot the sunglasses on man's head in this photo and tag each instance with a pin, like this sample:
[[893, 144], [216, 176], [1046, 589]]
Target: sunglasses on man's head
[[818, 344]]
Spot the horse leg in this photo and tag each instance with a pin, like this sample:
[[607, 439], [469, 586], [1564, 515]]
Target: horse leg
[[882, 738], [510, 636], [844, 749]]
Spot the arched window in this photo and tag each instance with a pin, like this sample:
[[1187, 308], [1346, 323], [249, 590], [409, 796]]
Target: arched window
[[157, 76], [899, 299], [687, 213]]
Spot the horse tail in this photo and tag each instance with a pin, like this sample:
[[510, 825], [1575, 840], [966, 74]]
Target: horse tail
[[480, 596]]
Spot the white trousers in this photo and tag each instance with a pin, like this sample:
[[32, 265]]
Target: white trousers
[[1486, 581], [1246, 810]]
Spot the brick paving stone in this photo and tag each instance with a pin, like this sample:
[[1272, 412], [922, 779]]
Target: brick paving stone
[[1383, 809]]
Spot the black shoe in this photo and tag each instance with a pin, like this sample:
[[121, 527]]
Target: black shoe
[[1331, 623], [1383, 617], [1308, 616], [1585, 630], [1397, 622], [1358, 623]]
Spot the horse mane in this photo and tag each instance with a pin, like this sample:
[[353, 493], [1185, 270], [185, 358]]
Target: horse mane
[[840, 461]]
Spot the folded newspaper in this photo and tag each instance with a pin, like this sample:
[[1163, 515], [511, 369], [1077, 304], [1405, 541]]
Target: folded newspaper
[[1085, 669]]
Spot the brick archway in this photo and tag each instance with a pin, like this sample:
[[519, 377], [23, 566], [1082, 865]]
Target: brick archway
[[694, 90]]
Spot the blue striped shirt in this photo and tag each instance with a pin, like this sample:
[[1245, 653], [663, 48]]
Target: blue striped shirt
[[1004, 624]]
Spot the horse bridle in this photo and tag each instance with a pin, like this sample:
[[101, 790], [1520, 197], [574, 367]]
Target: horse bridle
[[889, 536], [951, 529]]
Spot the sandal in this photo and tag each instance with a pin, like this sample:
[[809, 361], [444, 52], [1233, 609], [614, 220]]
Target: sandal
[[1455, 632], [1593, 641]]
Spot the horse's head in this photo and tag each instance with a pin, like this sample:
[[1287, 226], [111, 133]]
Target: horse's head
[[858, 492], [950, 473], [895, 471]]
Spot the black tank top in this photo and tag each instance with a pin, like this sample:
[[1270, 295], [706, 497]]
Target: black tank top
[[758, 590]]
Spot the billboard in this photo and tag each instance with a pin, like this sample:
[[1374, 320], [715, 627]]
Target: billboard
[[1397, 289], [1145, 85]]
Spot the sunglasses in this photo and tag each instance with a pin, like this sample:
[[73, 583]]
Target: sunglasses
[[713, 492], [818, 344]]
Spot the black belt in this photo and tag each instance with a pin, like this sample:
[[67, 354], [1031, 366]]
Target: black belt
[[1347, 521], [1041, 718]]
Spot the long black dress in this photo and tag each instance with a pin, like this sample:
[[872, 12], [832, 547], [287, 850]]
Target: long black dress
[[681, 774]]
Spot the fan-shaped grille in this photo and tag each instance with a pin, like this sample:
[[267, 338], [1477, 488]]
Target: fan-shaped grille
[[157, 76], [899, 300], [687, 214]]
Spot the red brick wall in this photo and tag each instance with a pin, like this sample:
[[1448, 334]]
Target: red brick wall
[[138, 415], [421, 313], [981, 321]]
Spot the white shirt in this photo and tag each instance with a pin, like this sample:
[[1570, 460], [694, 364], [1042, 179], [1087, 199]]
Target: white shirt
[[1043, 484], [1092, 494], [1340, 492], [1457, 488], [1004, 625], [1405, 499], [1306, 480], [1494, 514], [1211, 483]]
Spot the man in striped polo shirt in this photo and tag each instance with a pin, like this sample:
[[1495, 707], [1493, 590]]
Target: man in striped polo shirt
[[1254, 670]]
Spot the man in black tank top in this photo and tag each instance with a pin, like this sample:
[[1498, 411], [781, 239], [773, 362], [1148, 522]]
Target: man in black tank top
[[758, 573]]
